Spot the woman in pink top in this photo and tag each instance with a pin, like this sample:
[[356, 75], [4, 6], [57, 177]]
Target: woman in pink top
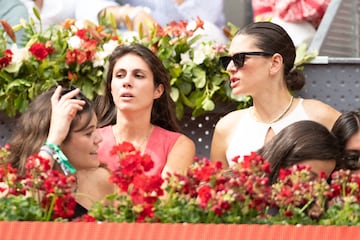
[[137, 108]]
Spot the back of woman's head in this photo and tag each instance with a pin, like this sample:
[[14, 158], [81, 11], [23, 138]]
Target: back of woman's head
[[162, 113], [32, 127], [298, 142], [272, 38]]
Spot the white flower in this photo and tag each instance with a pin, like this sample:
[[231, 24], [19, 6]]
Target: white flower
[[185, 58], [79, 25], [99, 59], [191, 26], [100, 56], [74, 42], [110, 46], [129, 36], [209, 50], [19, 56], [202, 51], [199, 56]]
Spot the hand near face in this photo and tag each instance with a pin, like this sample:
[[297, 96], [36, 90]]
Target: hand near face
[[63, 111], [145, 20]]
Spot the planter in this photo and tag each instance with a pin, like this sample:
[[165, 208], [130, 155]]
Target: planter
[[140, 231]]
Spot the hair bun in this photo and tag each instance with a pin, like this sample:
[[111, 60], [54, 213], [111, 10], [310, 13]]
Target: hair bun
[[295, 80]]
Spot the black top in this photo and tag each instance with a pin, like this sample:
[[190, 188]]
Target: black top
[[79, 211]]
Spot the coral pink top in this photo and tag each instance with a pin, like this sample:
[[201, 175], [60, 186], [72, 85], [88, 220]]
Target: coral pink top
[[158, 147]]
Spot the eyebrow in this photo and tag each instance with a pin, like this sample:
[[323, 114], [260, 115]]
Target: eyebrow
[[352, 151], [83, 129]]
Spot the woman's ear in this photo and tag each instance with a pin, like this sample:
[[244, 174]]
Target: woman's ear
[[276, 63], [158, 91]]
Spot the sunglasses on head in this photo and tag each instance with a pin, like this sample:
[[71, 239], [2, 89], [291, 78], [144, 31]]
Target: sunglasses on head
[[239, 58]]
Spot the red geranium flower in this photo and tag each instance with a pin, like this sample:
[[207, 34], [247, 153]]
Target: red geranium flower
[[6, 59], [40, 51]]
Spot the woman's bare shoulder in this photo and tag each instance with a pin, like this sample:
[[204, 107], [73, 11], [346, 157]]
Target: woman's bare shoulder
[[231, 118], [321, 112]]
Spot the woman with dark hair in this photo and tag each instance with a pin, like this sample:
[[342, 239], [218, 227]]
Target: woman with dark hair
[[347, 130], [137, 108], [261, 65], [60, 125], [303, 142]]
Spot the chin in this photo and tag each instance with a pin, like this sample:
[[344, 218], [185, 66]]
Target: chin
[[94, 162], [239, 94]]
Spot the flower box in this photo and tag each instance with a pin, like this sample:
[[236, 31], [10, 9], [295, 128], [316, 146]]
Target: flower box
[[158, 231]]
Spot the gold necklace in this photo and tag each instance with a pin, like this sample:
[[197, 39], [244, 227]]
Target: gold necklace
[[281, 115], [139, 146]]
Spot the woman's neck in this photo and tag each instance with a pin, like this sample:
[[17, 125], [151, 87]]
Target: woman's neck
[[136, 133], [272, 109]]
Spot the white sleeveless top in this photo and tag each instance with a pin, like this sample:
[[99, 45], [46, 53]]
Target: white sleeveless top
[[249, 135]]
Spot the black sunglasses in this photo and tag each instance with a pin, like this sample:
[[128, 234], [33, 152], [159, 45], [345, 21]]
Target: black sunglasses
[[239, 58], [352, 159]]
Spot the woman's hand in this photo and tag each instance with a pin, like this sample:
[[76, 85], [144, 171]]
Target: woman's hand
[[143, 19], [63, 111]]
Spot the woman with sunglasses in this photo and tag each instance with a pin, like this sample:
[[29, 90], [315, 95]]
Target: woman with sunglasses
[[261, 64], [347, 130]]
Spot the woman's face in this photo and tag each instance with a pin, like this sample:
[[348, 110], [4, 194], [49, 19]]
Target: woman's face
[[253, 74], [354, 142], [132, 84], [352, 149], [82, 145], [318, 166]]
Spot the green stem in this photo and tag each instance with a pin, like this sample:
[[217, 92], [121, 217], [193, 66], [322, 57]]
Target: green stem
[[306, 206], [49, 211]]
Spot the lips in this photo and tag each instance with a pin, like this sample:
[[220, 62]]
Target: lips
[[234, 81], [126, 95]]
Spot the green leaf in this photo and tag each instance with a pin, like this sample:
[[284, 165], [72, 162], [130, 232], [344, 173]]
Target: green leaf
[[199, 77], [174, 94], [37, 13], [208, 104]]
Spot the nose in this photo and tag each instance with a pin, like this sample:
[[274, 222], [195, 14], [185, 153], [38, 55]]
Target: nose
[[98, 138], [231, 67], [126, 82]]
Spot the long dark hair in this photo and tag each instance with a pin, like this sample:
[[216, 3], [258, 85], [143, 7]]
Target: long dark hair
[[162, 113], [300, 141], [32, 127], [272, 38]]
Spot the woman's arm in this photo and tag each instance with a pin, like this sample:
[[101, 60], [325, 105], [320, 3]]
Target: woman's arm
[[218, 145], [181, 156], [211, 10]]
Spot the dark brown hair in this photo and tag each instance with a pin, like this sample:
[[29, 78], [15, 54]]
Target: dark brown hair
[[162, 113], [344, 128], [300, 141], [272, 38]]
